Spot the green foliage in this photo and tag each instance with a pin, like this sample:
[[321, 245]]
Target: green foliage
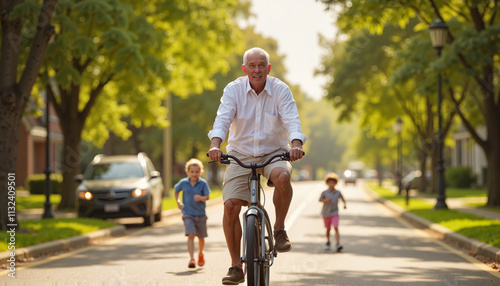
[[383, 58], [460, 177], [120, 59], [327, 142], [25, 10], [36, 183]]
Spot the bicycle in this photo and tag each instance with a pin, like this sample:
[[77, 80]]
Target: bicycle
[[258, 242]]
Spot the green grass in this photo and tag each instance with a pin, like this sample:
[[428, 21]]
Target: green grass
[[38, 201], [469, 225], [461, 193], [170, 202], [33, 232], [35, 201]]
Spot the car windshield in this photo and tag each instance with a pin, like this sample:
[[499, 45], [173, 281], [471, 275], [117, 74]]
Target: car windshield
[[111, 171]]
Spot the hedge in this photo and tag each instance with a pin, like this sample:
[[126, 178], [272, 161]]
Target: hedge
[[460, 177], [36, 183]]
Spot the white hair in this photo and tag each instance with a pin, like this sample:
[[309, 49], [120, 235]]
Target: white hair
[[256, 49]]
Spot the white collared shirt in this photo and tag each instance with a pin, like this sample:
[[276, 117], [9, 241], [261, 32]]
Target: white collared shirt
[[257, 124]]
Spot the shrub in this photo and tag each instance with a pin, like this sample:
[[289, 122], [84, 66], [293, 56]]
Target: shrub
[[36, 183], [460, 177]]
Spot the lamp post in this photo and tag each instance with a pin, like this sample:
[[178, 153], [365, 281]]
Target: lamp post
[[48, 210], [439, 35], [397, 128]]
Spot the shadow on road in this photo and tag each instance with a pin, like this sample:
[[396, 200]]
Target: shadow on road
[[185, 273]]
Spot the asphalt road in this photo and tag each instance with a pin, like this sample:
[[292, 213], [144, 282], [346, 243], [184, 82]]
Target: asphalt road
[[379, 249]]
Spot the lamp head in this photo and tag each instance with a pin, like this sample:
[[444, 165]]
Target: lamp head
[[439, 33]]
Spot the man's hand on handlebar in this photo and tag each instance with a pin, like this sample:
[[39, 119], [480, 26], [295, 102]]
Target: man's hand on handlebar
[[296, 151], [214, 153], [296, 154]]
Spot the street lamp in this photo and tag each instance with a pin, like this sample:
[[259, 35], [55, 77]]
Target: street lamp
[[439, 35], [397, 128], [48, 209]]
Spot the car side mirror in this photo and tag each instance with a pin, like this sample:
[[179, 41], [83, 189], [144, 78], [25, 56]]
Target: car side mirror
[[78, 178], [154, 174]]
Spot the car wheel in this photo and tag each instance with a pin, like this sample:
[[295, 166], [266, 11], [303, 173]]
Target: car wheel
[[158, 214], [149, 220]]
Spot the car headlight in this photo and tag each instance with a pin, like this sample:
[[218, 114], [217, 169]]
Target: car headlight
[[85, 195], [139, 192]]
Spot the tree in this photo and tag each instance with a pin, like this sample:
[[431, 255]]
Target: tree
[[25, 37], [327, 142], [113, 60], [363, 69], [473, 49]]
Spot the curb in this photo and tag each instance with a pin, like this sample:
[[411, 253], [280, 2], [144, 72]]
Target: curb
[[472, 245], [61, 244]]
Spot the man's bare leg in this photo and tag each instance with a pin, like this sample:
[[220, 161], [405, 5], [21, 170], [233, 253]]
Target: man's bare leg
[[232, 229], [282, 197]]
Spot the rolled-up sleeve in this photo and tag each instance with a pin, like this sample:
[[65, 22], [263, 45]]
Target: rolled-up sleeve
[[290, 117], [224, 118]]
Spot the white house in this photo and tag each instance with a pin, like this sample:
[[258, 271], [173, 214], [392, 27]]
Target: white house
[[467, 153]]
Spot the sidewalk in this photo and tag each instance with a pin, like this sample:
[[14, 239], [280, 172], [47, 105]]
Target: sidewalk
[[472, 245]]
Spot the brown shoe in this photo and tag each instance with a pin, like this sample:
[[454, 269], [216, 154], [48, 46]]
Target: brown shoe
[[282, 242], [234, 276]]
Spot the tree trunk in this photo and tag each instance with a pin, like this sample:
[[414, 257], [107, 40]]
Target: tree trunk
[[11, 111], [434, 168], [493, 159], [422, 188], [13, 94], [379, 169], [70, 164]]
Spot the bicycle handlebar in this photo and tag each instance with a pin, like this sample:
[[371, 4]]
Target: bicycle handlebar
[[225, 160]]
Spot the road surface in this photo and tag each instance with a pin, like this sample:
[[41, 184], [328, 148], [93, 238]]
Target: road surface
[[379, 249]]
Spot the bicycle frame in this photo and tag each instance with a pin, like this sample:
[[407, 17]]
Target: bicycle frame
[[257, 210], [256, 213]]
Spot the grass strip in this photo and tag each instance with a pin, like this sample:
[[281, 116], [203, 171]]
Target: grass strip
[[33, 232], [468, 225], [170, 202], [38, 201], [35, 201]]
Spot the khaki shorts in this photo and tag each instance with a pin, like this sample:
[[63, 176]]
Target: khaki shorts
[[196, 224], [236, 184]]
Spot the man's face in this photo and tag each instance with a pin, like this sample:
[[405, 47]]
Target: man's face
[[257, 70]]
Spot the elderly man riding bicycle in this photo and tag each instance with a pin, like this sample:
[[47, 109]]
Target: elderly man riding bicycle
[[261, 115]]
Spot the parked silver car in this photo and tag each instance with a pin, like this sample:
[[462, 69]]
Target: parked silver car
[[120, 186]]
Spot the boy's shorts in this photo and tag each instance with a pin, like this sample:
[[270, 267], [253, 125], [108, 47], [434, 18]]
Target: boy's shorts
[[196, 224], [331, 220], [236, 184]]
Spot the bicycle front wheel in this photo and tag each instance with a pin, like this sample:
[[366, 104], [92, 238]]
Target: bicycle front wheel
[[253, 251]]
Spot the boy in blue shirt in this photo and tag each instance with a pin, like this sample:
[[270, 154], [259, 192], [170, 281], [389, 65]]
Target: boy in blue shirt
[[195, 192], [330, 210]]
